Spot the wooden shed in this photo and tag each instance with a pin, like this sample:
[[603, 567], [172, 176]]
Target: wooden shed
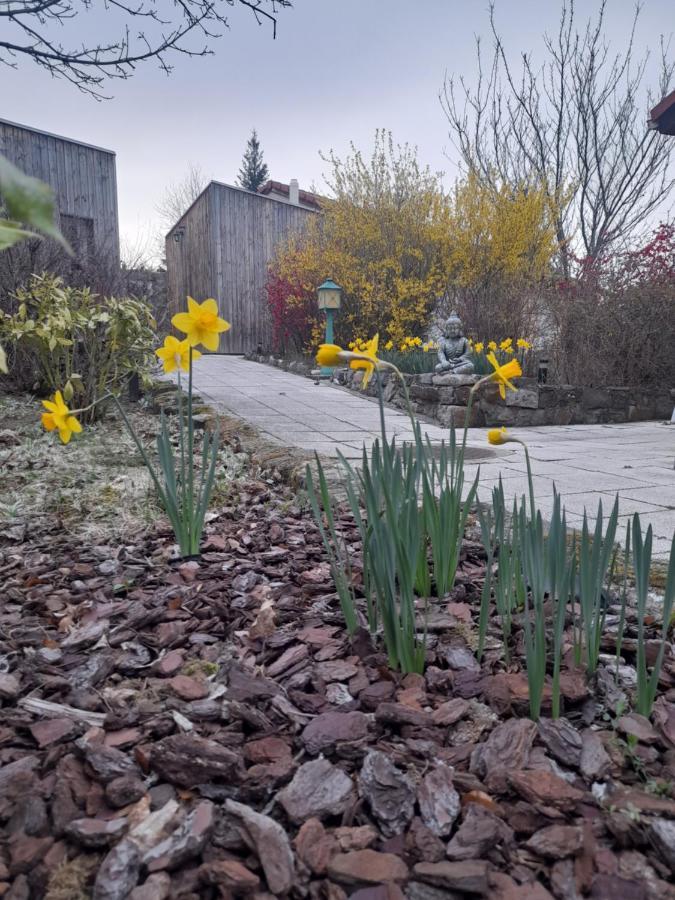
[[84, 181], [222, 246]]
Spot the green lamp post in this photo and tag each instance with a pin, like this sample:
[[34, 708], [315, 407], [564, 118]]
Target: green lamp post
[[330, 298]]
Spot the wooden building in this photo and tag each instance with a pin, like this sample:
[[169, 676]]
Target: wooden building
[[662, 117], [222, 246], [84, 181]]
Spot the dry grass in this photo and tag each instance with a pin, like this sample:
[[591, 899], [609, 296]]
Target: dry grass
[[70, 879], [96, 488]]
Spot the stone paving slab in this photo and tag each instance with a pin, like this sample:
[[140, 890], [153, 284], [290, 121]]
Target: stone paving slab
[[588, 463]]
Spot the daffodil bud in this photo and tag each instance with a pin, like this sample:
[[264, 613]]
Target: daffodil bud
[[68, 392]]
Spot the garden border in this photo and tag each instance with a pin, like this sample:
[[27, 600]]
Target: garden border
[[443, 398]]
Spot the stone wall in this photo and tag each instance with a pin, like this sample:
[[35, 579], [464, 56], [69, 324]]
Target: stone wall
[[444, 398]]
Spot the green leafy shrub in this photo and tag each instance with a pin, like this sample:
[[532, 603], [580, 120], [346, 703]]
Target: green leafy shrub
[[66, 336]]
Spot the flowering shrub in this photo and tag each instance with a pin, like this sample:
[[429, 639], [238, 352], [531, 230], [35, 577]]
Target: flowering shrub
[[69, 338], [398, 243]]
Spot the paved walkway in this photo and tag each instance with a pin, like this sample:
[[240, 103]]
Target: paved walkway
[[588, 463]]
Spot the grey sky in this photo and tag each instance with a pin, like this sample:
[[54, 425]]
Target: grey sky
[[337, 70]]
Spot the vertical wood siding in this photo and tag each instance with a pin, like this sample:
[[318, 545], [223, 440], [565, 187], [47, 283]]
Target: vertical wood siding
[[190, 256], [227, 240], [83, 178]]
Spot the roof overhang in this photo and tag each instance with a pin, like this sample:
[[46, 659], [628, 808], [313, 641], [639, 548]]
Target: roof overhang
[[662, 117]]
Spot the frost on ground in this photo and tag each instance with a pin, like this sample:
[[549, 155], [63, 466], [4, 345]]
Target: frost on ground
[[97, 487]]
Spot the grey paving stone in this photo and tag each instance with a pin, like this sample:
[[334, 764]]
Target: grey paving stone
[[587, 462]]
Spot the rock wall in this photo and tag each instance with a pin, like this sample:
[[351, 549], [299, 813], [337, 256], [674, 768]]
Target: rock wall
[[444, 398]]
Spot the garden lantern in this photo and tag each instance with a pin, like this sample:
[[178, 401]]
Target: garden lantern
[[330, 298]]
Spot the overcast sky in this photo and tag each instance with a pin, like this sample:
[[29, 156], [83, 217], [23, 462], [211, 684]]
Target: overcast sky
[[337, 70]]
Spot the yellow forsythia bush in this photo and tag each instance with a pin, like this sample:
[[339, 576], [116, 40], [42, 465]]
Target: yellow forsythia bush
[[396, 242]]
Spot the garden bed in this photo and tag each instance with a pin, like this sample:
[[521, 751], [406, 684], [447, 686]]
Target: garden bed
[[207, 729]]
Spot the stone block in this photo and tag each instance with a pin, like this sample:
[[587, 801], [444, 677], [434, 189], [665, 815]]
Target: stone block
[[454, 396], [583, 416], [498, 414], [446, 396], [663, 406], [525, 397], [391, 390], [640, 413], [562, 415], [456, 415], [619, 397], [595, 398], [454, 380], [489, 393], [426, 392], [558, 395], [426, 378]]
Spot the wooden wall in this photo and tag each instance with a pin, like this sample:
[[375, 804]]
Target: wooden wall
[[227, 240], [83, 178], [189, 255]]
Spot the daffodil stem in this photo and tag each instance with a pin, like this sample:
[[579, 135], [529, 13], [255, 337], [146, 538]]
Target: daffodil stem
[[530, 483], [380, 395], [191, 462], [183, 486]]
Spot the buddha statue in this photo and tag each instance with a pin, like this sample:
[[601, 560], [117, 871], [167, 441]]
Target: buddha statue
[[454, 349]]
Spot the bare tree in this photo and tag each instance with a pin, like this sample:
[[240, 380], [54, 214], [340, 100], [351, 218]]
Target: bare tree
[[145, 30], [576, 125], [178, 197]]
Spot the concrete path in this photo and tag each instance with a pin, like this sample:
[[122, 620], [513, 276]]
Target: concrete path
[[588, 463]]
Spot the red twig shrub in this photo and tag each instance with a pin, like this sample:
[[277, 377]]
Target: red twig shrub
[[294, 313], [614, 323]]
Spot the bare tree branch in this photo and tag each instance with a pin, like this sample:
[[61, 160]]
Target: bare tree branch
[[576, 126], [28, 29]]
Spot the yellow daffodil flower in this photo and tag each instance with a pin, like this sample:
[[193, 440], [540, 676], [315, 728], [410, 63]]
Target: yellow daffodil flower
[[60, 417], [509, 351], [201, 323], [523, 344], [175, 354], [478, 347], [330, 355], [368, 365], [497, 435], [502, 374], [389, 345], [505, 344], [351, 345], [492, 346]]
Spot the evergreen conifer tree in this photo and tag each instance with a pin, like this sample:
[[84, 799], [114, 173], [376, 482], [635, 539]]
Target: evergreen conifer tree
[[253, 171]]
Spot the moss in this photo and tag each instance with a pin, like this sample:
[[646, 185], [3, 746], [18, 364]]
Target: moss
[[200, 667]]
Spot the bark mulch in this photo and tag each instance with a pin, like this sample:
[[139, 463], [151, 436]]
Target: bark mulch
[[207, 730]]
